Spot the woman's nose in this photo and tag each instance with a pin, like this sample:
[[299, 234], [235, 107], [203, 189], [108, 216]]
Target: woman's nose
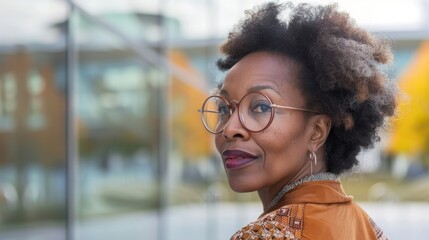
[[234, 127]]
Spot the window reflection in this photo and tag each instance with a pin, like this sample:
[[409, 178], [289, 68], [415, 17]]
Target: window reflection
[[9, 103], [32, 174]]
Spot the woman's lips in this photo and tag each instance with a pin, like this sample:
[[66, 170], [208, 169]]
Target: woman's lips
[[237, 158]]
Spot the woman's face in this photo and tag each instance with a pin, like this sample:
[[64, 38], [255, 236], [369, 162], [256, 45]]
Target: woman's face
[[276, 156]]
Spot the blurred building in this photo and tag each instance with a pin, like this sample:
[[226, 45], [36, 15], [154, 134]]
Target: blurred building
[[99, 121]]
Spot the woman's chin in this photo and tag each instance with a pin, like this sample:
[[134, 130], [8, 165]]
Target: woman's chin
[[241, 188]]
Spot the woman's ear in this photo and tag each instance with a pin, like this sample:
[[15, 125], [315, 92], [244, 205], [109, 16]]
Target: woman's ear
[[321, 126]]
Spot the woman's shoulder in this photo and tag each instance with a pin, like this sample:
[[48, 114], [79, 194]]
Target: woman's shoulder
[[313, 221], [283, 223], [339, 221]]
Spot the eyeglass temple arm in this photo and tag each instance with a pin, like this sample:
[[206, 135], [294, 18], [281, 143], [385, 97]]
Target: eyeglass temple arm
[[294, 108], [210, 111]]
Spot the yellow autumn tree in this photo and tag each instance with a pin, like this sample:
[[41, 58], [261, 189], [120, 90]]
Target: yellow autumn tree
[[411, 127], [188, 133]]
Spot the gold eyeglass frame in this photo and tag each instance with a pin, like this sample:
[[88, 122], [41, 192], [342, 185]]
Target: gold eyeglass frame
[[240, 117]]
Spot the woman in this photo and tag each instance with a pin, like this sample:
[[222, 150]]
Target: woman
[[304, 93]]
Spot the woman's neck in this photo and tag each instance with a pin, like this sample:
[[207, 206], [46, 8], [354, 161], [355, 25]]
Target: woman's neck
[[266, 195]]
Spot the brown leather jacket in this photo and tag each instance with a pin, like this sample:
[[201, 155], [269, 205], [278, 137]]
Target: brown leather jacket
[[313, 210]]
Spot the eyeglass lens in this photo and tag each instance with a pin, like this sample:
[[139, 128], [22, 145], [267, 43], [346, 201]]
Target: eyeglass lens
[[254, 112]]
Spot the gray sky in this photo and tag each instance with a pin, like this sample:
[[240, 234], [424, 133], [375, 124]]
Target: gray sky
[[24, 21]]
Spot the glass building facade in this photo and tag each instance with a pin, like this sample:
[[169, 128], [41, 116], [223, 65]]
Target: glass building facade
[[100, 137]]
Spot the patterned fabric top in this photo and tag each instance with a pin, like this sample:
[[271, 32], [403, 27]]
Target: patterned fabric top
[[313, 210], [285, 223]]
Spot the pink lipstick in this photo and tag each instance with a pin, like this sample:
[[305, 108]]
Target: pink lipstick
[[237, 158]]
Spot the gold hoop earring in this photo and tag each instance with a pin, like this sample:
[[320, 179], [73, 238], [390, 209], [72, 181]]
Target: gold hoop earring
[[313, 157]]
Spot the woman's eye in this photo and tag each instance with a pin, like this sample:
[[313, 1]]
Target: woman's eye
[[223, 110], [261, 108]]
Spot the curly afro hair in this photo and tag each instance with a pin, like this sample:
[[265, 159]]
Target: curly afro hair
[[341, 70]]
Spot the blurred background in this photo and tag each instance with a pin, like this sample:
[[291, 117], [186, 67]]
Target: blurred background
[[100, 137]]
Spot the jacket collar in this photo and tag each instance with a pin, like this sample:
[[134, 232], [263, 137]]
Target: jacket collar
[[316, 192]]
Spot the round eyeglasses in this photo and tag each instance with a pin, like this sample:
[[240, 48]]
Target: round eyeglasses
[[255, 112]]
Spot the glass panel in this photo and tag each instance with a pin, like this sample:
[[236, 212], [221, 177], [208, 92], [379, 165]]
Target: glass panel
[[120, 95], [119, 115], [32, 120]]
